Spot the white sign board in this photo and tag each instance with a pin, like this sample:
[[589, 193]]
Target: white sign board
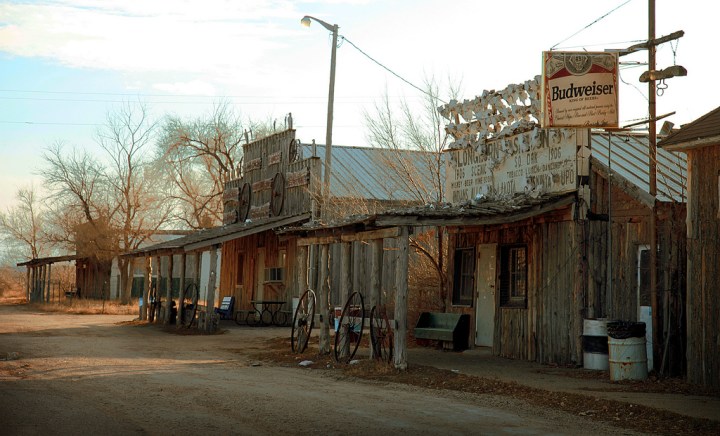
[[540, 161]]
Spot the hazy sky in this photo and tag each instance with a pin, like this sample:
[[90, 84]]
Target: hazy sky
[[64, 64]]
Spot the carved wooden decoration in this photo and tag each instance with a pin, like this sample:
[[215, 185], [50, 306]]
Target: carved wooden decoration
[[257, 212], [254, 164], [262, 185], [275, 158], [298, 178]]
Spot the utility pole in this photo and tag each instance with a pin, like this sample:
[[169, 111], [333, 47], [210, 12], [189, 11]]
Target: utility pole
[[650, 77]]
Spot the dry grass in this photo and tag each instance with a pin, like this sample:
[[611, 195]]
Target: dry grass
[[88, 307]]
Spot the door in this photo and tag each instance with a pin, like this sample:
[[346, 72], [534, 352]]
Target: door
[[485, 307], [259, 274]]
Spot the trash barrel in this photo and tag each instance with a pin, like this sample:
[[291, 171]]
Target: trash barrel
[[595, 344], [627, 352]]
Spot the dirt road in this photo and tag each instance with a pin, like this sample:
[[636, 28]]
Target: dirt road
[[101, 374]]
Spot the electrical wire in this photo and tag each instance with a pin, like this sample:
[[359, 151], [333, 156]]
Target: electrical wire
[[391, 71], [591, 24]]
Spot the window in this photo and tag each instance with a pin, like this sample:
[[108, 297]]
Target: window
[[464, 278], [513, 276], [274, 274]]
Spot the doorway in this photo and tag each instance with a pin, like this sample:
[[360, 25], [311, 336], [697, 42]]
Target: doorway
[[485, 304]]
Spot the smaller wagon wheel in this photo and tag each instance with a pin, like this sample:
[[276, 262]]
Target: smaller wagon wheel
[[381, 334], [277, 195], [350, 328], [303, 322], [191, 293], [244, 202]]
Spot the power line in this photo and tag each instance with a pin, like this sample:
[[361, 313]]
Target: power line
[[391, 71], [591, 24]]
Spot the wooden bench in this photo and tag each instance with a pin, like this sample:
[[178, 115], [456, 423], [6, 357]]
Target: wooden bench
[[444, 327], [226, 308]]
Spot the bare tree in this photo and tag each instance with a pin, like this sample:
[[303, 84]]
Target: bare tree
[[137, 208], [200, 157], [116, 206], [22, 226], [422, 129]]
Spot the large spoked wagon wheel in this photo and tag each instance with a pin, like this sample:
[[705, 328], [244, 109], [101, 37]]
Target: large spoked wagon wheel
[[191, 295], [303, 322], [381, 334], [350, 328]]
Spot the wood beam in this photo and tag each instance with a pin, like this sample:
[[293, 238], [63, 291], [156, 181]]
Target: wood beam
[[401, 301]]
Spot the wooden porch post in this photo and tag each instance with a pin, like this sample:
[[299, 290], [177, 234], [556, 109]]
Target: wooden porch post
[[346, 282], [323, 300], [401, 290], [210, 301], [147, 282], [49, 282], [181, 291], [376, 250], [168, 294], [158, 283], [27, 282], [302, 269], [43, 276]]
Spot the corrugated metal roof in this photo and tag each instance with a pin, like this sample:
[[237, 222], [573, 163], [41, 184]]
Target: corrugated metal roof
[[629, 158], [377, 173]]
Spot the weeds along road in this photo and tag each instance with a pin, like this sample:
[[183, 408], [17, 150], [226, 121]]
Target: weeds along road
[[102, 374]]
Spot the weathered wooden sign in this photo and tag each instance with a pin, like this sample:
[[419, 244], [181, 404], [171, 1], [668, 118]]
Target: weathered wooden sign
[[536, 161]]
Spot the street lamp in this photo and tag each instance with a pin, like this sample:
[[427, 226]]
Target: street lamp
[[306, 21]]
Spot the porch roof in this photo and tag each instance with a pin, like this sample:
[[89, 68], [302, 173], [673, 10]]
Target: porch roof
[[217, 235], [49, 260]]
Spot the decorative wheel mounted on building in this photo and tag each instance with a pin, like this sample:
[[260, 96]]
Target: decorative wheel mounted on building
[[350, 328], [381, 334], [277, 195], [189, 305], [244, 198], [303, 322]]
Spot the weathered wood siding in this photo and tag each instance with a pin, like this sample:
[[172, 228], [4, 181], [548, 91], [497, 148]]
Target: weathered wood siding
[[239, 271], [549, 328], [630, 230], [703, 266], [265, 158]]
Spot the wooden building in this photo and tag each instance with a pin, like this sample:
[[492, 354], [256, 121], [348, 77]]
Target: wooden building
[[701, 141], [549, 227]]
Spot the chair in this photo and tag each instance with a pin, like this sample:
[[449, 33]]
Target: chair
[[226, 308]]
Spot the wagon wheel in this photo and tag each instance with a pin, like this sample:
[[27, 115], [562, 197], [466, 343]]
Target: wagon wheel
[[191, 293], [293, 150], [303, 322], [277, 198], [381, 334], [350, 328], [244, 202]]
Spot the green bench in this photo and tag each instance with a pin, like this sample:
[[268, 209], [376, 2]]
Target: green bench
[[444, 327]]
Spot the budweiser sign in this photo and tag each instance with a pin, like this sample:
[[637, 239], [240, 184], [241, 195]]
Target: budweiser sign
[[580, 89]]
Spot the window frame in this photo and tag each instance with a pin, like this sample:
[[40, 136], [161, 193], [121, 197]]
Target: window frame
[[510, 274], [463, 280]]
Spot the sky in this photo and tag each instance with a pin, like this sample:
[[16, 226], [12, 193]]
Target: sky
[[66, 64]]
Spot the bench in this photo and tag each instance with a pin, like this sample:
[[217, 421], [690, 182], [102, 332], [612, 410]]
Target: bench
[[226, 308], [444, 327]]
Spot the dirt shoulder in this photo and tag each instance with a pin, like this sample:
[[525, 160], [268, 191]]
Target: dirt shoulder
[[108, 373]]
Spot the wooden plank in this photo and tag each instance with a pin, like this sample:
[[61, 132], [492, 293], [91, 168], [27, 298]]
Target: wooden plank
[[323, 302], [275, 158], [318, 240], [346, 282], [253, 164], [257, 212], [298, 178], [392, 232], [401, 300], [261, 185], [231, 194], [181, 293], [168, 295]]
